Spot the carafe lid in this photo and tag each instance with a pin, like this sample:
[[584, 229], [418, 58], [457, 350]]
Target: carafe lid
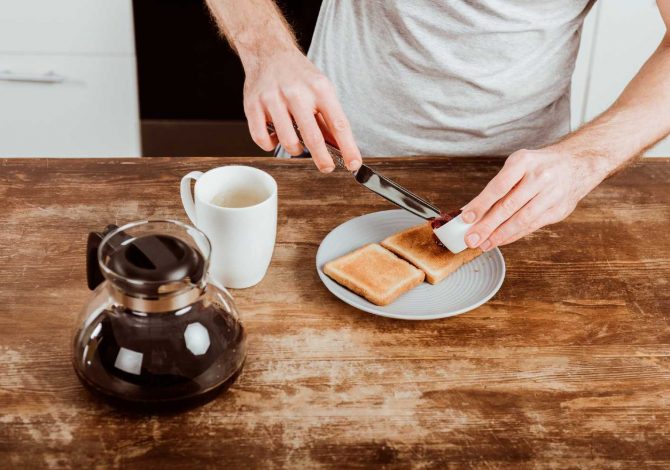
[[157, 258], [148, 261]]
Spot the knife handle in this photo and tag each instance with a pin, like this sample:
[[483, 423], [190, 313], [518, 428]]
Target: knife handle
[[333, 151]]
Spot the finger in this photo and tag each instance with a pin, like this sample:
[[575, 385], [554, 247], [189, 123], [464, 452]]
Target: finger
[[258, 127], [542, 222], [283, 125], [327, 135], [528, 219], [498, 187], [550, 216], [339, 127], [520, 235], [312, 136], [501, 212]]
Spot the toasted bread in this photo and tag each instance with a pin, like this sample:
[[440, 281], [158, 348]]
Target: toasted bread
[[418, 246], [374, 273]]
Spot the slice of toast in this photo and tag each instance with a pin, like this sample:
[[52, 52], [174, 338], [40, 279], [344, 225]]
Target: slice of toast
[[417, 245], [374, 273]]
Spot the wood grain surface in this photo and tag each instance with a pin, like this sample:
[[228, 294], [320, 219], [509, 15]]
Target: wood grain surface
[[567, 366]]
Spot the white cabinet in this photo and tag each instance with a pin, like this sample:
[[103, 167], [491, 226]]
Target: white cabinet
[[92, 112], [68, 85], [580, 77], [618, 38], [66, 26]]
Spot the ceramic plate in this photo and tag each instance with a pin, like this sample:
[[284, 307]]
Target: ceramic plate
[[466, 289]]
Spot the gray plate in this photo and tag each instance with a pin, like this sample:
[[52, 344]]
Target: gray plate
[[468, 288]]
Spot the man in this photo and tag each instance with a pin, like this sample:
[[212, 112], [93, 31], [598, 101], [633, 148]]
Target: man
[[448, 77]]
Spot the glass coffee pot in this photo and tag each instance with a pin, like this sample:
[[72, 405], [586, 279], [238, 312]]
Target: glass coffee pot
[[157, 332]]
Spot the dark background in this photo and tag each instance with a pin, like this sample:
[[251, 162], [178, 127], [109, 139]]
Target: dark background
[[190, 80], [186, 70]]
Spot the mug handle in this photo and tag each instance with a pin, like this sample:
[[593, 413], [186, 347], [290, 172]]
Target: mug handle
[[187, 196]]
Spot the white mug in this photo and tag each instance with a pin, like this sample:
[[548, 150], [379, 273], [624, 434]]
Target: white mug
[[242, 238]]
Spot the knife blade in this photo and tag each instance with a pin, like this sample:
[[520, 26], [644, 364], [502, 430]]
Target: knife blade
[[381, 185], [395, 193]]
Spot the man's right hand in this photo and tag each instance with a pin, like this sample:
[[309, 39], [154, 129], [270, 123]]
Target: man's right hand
[[283, 86], [286, 87]]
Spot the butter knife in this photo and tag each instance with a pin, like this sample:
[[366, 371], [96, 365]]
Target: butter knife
[[381, 185]]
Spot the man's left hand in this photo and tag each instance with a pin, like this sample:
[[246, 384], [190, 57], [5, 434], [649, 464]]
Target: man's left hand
[[533, 189]]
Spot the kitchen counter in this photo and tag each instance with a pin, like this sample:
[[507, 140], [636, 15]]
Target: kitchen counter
[[568, 364]]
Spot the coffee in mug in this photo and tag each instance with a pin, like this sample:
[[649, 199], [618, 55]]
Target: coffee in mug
[[236, 207], [239, 197]]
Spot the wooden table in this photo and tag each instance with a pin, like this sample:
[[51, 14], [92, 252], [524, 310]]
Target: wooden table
[[569, 364]]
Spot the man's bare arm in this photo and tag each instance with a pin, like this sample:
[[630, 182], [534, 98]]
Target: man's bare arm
[[540, 187], [254, 28], [282, 85], [638, 119]]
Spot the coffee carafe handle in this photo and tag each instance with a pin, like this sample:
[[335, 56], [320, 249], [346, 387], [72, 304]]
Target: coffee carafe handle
[[94, 275]]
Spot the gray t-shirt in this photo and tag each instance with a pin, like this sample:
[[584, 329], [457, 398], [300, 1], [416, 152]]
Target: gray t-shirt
[[451, 77]]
